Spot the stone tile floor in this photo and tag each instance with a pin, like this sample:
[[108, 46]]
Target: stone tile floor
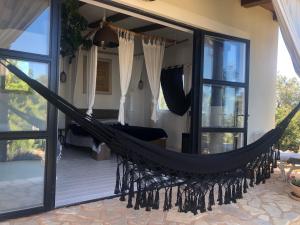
[[263, 205]]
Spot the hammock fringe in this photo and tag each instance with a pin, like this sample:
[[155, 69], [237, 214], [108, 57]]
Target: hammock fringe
[[144, 169], [193, 193]]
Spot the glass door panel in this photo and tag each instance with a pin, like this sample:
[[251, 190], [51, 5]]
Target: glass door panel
[[223, 106], [25, 25], [218, 142], [22, 167], [27, 121], [21, 108], [223, 95], [229, 55]]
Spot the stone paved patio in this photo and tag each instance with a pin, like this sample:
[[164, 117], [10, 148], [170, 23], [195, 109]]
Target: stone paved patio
[[265, 204]]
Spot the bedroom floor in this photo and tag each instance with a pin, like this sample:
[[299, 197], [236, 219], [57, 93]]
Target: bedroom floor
[[266, 204], [81, 178]]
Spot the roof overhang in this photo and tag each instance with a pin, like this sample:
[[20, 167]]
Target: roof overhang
[[267, 4]]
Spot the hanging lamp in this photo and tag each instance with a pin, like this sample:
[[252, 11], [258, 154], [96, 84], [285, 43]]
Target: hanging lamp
[[106, 37]]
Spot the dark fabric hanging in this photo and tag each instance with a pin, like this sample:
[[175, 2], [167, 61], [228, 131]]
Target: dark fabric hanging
[[144, 169], [172, 87]]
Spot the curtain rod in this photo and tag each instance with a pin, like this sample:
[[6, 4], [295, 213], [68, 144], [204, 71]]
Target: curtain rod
[[139, 54], [114, 27]]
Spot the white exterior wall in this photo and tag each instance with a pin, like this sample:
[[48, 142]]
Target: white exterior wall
[[228, 17]]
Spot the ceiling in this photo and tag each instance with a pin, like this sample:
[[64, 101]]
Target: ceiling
[[94, 14]]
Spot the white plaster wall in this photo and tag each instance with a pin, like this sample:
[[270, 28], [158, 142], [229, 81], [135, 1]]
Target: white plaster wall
[[228, 17], [102, 101], [173, 124]]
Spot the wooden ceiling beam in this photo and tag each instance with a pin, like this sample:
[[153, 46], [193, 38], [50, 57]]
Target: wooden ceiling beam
[[252, 3], [148, 28], [113, 19]]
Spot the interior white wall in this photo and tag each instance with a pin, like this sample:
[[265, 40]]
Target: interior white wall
[[173, 124], [102, 101]]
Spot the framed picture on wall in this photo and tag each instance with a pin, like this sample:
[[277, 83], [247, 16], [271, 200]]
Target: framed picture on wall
[[104, 76], [103, 82]]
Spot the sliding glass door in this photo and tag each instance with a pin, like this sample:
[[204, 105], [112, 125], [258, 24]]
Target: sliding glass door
[[220, 102], [27, 123]]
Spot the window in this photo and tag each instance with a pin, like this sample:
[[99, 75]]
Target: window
[[162, 105], [22, 173], [25, 26], [21, 108], [224, 95]]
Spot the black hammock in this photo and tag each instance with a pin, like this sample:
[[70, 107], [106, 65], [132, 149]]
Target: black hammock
[[146, 171]]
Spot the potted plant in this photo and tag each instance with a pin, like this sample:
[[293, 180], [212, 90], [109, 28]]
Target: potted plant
[[295, 187]]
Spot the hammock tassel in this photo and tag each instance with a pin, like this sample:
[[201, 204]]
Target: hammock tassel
[[149, 203], [258, 176], [166, 202], [177, 196], [156, 200], [275, 158], [144, 199], [233, 194], [202, 203], [226, 197], [117, 187], [278, 154], [180, 209], [131, 190], [211, 199], [220, 195], [251, 178], [170, 199]]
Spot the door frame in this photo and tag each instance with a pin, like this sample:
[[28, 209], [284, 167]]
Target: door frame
[[50, 134], [53, 58], [199, 81]]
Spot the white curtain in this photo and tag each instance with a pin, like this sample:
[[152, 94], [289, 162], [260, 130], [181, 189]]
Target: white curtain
[[78, 74], [138, 63], [16, 16], [126, 51], [288, 14], [154, 55], [92, 60], [187, 72]]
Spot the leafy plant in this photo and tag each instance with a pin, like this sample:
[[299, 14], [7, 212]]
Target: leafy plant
[[72, 26], [288, 96]]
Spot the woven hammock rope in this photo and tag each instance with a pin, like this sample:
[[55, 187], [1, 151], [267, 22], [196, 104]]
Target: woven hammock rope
[[145, 170]]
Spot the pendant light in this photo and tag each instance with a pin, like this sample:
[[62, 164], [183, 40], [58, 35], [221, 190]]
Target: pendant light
[[106, 37]]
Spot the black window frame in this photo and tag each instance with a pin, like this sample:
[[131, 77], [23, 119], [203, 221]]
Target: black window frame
[[199, 81], [50, 134], [52, 59]]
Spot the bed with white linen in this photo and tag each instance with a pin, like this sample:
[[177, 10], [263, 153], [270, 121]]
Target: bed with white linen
[[78, 137]]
